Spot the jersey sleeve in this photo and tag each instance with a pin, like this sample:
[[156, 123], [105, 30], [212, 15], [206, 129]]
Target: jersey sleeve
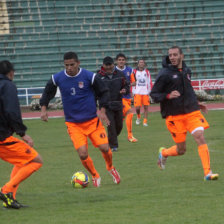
[[49, 92], [12, 109]]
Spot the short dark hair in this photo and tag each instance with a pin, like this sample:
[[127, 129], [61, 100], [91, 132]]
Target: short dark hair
[[6, 67], [177, 47], [71, 55], [120, 55]]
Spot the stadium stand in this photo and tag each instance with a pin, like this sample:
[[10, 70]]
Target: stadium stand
[[35, 34]]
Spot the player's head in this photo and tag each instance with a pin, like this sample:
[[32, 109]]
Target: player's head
[[7, 69], [175, 54], [71, 63], [108, 64], [141, 64], [121, 60]]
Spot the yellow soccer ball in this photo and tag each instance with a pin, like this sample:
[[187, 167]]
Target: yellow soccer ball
[[80, 180]]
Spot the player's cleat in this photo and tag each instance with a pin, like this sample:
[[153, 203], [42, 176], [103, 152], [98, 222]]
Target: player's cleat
[[145, 124], [162, 160], [116, 176], [96, 181], [114, 149], [9, 201], [138, 121], [132, 139], [211, 176], [21, 205]]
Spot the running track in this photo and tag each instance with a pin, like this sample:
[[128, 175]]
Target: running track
[[152, 108]]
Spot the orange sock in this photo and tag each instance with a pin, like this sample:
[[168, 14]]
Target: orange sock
[[88, 164], [145, 121], [138, 116], [13, 173], [129, 124], [172, 151], [205, 158], [23, 173], [108, 159]]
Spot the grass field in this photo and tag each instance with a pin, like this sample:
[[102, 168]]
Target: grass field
[[146, 195]]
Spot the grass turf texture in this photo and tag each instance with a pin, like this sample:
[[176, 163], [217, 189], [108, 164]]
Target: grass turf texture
[[146, 195]]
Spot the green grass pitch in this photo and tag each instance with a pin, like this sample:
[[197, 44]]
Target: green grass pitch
[[145, 195]]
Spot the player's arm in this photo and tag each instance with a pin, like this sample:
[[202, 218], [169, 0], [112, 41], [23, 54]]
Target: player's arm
[[132, 79], [48, 94], [102, 95], [12, 109], [158, 92], [125, 89]]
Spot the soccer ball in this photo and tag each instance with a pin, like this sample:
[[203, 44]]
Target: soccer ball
[[80, 180]]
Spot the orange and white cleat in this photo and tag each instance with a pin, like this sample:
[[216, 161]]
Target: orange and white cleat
[[116, 176], [132, 139]]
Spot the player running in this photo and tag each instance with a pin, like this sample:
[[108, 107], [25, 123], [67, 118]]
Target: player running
[[180, 108], [78, 88], [126, 98], [13, 150]]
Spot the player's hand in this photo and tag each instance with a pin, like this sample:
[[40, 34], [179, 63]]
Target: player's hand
[[203, 107], [28, 140], [174, 94], [44, 115], [103, 117], [123, 91]]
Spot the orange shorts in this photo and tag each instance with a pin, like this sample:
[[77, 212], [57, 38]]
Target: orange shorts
[[179, 125], [16, 151], [126, 105], [140, 100], [93, 129]]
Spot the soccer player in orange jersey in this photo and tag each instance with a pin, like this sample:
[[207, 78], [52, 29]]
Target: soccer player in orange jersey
[[13, 150], [126, 98], [78, 88], [180, 108]]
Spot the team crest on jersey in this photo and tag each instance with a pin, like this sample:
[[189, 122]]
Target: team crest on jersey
[[81, 85], [128, 73], [175, 76]]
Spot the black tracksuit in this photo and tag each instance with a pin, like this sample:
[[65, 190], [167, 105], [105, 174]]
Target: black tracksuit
[[168, 80], [10, 114], [115, 82]]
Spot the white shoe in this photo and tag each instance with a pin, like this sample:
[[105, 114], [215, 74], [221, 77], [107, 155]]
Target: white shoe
[[115, 175], [145, 124], [138, 121], [162, 160], [96, 181]]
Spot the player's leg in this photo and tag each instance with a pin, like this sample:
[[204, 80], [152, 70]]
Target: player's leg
[[100, 140], [26, 161], [87, 162], [127, 112], [118, 117], [196, 124], [111, 129], [80, 143], [175, 150], [137, 105], [145, 121], [146, 103], [178, 132], [203, 152]]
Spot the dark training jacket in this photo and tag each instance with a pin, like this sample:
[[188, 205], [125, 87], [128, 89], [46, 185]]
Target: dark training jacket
[[114, 82], [168, 80], [10, 114]]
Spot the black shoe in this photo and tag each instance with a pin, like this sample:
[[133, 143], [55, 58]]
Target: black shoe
[[9, 201]]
